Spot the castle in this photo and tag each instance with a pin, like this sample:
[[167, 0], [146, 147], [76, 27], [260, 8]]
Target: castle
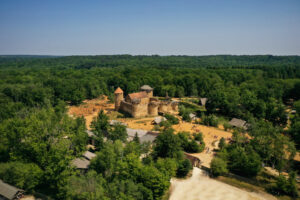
[[141, 104]]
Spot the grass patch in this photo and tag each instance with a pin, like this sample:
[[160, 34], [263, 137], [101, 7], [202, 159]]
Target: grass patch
[[240, 184]]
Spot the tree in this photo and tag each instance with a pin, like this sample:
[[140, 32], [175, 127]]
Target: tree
[[167, 165], [244, 162], [218, 167], [100, 124], [167, 145], [171, 118], [184, 166], [88, 186], [155, 180], [118, 132], [136, 138], [222, 143], [287, 186], [23, 175]]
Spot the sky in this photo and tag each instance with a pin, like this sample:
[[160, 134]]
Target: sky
[[147, 27]]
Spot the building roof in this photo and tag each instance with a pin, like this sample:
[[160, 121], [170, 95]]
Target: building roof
[[148, 138], [158, 120], [89, 155], [146, 88], [192, 116], [8, 191], [138, 95], [238, 123], [118, 91], [115, 122], [90, 133], [131, 133], [81, 163], [203, 101]]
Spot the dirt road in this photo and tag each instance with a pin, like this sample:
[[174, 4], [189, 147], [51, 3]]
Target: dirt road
[[201, 187]]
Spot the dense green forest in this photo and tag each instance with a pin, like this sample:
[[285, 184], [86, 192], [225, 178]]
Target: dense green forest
[[34, 93]]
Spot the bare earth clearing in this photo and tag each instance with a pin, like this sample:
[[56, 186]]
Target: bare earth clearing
[[201, 187], [90, 108]]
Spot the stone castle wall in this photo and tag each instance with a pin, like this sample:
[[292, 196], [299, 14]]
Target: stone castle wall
[[144, 106], [126, 107]]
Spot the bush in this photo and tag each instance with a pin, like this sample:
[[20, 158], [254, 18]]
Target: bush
[[184, 167], [218, 167], [222, 143], [287, 186], [210, 120], [227, 126], [22, 175], [172, 119]]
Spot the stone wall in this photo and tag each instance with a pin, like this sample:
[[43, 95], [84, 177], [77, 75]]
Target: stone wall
[[140, 110], [126, 107]]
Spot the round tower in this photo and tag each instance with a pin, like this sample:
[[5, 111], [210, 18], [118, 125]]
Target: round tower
[[147, 89], [153, 108], [118, 98]]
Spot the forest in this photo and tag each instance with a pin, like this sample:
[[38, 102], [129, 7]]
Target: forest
[[36, 90]]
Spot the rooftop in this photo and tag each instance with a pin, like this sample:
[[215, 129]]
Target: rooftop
[[118, 91], [146, 87], [138, 95], [7, 190], [131, 132], [158, 120], [238, 123], [90, 133], [89, 155], [81, 163]]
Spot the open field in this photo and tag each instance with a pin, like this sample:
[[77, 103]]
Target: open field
[[196, 188]]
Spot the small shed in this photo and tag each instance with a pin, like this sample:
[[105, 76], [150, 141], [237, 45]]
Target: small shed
[[149, 137], [115, 122], [81, 163], [192, 116], [131, 133], [10, 192], [89, 155], [91, 136], [238, 123], [158, 120], [203, 101]]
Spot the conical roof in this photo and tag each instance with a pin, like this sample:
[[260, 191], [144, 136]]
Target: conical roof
[[119, 91], [146, 87]]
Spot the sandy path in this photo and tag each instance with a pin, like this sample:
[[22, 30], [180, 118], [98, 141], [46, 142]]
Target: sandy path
[[201, 187]]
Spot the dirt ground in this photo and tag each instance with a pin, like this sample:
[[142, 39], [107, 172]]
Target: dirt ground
[[90, 108], [196, 188]]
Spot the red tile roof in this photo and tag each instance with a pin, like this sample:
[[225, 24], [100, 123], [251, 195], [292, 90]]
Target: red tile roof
[[119, 91], [138, 95]]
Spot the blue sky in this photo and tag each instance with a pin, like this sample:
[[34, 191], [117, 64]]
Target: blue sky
[[164, 27]]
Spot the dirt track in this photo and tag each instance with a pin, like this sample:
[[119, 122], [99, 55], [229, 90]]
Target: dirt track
[[201, 187]]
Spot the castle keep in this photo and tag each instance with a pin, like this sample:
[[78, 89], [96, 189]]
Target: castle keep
[[141, 104]]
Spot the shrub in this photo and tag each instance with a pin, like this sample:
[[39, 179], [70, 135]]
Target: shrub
[[172, 119], [23, 175], [218, 167], [222, 143], [184, 167], [227, 126], [210, 120]]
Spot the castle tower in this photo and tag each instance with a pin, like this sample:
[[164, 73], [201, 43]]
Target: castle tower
[[153, 108], [147, 89], [118, 97]]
